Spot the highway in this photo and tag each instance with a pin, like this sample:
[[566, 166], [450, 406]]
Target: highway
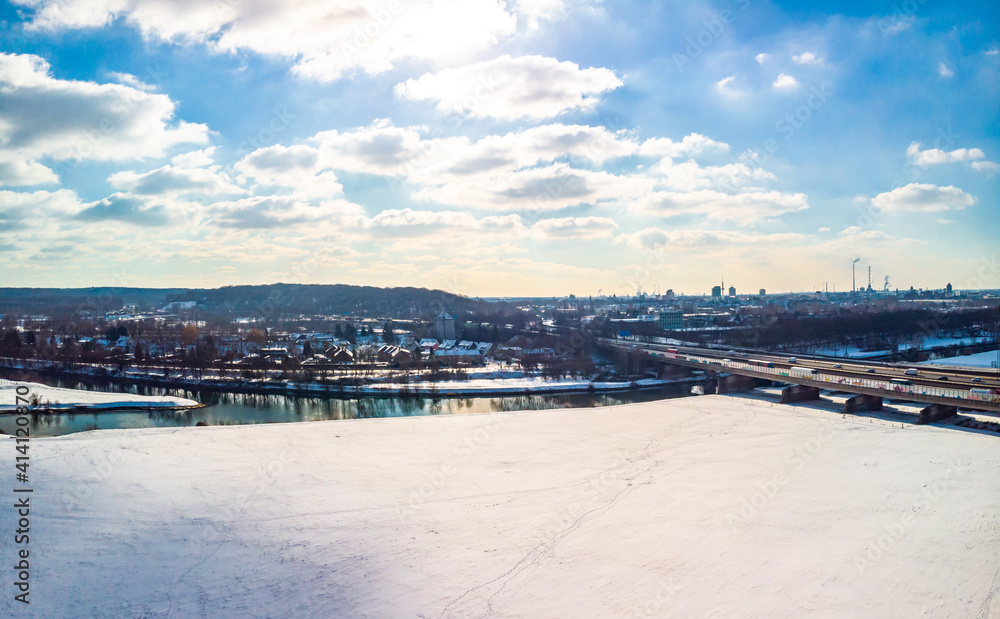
[[928, 383]]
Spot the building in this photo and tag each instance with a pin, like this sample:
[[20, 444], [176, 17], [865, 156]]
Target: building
[[716, 292], [671, 320], [763, 292], [444, 326], [732, 291]]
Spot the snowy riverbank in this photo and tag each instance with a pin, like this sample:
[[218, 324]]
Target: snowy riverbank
[[715, 506], [56, 398]]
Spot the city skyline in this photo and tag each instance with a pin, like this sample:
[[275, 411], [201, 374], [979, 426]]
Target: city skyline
[[532, 148]]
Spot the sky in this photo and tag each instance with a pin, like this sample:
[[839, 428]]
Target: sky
[[485, 148]]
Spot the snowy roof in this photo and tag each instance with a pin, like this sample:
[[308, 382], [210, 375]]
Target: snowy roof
[[446, 316]]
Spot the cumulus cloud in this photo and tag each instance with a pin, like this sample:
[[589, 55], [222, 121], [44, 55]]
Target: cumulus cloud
[[583, 228], [747, 207], [936, 156], [127, 208], [326, 40], [189, 173], [944, 71], [41, 116], [273, 212], [656, 238], [918, 197], [690, 146], [689, 176], [20, 210], [293, 167], [807, 58], [723, 86], [15, 172], [990, 167], [761, 58], [785, 82], [511, 88]]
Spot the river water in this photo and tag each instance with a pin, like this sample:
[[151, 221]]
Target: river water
[[224, 408]]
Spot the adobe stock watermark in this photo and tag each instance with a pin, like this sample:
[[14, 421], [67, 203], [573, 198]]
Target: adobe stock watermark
[[364, 36], [767, 489], [666, 590], [902, 16], [268, 134], [793, 122], [922, 502], [713, 30]]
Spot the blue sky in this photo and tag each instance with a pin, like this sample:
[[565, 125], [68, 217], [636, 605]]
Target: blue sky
[[538, 147]]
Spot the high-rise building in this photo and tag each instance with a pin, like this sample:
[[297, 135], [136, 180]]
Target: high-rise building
[[716, 292], [732, 291]]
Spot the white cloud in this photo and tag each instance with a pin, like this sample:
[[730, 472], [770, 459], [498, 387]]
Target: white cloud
[[575, 228], [944, 71], [689, 176], [293, 167], [275, 212], [43, 116], [918, 197], [761, 58], [188, 173], [691, 146], [326, 40], [990, 167], [936, 156], [785, 82], [20, 210], [747, 207], [807, 58], [656, 238], [143, 211], [723, 86], [16, 172], [511, 88]]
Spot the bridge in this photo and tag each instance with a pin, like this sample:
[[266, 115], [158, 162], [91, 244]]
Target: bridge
[[944, 389]]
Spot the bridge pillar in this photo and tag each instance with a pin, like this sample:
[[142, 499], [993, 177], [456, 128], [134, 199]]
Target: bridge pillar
[[862, 403], [936, 412], [799, 393], [734, 383]]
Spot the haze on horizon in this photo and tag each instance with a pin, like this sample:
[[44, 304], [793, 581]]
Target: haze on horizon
[[535, 147]]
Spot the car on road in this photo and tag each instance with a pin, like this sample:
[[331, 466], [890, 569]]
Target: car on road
[[871, 370], [911, 372]]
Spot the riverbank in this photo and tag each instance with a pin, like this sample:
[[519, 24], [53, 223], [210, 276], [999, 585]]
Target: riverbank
[[714, 506], [481, 384], [56, 399]]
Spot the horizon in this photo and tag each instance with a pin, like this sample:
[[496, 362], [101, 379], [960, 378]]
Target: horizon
[[501, 150]]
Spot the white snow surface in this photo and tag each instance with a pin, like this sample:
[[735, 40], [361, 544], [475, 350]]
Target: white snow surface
[[980, 360], [59, 398], [699, 507]]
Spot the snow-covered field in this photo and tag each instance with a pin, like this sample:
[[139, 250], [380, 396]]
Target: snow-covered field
[[926, 343], [980, 360], [698, 507], [62, 399]]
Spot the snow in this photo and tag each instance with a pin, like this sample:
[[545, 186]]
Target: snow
[[58, 398], [925, 344], [980, 360], [698, 507]]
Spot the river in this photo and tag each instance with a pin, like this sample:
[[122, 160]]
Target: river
[[222, 408]]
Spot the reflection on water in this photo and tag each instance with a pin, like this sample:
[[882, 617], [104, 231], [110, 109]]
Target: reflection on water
[[224, 408]]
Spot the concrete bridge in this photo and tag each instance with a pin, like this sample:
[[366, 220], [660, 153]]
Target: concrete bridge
[[944, 389]]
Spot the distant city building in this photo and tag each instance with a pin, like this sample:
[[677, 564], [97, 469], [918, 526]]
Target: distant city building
[[949, 289], [763, 292], [716, 292], [732, 291], [671, 319], [444, 327]]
